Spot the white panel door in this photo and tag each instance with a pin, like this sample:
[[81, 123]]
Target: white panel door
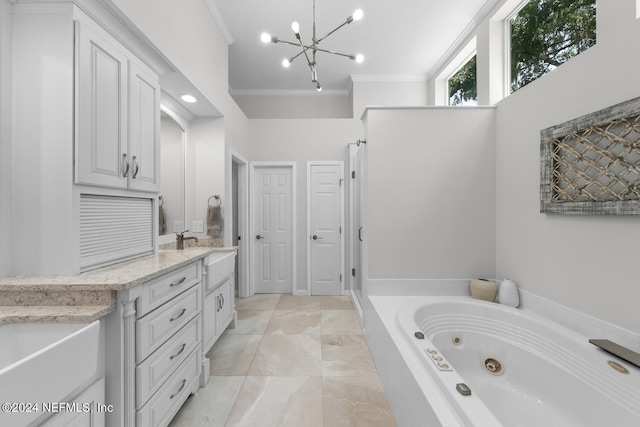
[[325, 226], [273, 229]]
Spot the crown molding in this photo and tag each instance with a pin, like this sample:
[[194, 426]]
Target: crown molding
[[469, 32], [288, 92], [387, 78], [222, 24]]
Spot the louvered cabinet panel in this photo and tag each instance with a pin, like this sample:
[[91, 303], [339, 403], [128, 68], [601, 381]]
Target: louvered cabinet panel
[[114, 229]]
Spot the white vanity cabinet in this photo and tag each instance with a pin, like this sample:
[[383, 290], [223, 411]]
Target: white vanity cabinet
[[117, 113], [218, 310], [154, 348]]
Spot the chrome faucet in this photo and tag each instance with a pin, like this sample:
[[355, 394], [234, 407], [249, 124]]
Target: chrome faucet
[[180, 239]]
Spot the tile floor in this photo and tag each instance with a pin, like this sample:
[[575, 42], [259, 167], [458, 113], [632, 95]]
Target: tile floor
[[291, 361]]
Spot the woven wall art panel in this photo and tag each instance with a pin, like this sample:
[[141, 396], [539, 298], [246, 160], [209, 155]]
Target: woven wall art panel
[[591, 165]]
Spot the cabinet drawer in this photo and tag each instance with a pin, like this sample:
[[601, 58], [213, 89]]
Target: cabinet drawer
[[155, 328], [151, 374], [167, 401], [218, 269], [162, 289]]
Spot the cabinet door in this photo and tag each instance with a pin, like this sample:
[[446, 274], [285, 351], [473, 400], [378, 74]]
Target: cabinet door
[[209, 321], [101, 109], [225, 307], [144, 125]]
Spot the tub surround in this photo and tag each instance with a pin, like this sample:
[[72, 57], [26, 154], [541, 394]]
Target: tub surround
[[91, 295]]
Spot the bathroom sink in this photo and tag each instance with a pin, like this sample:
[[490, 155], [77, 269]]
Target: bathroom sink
[[42, 363]]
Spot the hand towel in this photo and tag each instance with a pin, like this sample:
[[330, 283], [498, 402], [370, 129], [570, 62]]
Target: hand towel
[[162, 226], [214, 220]]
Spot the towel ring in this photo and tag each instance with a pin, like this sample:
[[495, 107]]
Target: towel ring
[[215, 196]]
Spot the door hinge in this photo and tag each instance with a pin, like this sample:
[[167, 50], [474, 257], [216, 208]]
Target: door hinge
[[341, 277], [353, 174], [340, 229], [353, 272], [341, 182]]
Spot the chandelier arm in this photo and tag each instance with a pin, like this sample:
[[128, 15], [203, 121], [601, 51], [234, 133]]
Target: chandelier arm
[[292, 43], [333, 31], [347, 55]]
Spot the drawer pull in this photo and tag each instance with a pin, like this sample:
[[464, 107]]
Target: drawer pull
[[179, 282], [178, 392], [179, 352], [184, 310]]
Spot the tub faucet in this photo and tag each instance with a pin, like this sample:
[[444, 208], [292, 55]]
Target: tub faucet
[[180, 239]]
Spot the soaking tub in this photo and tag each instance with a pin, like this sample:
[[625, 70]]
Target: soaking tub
[[521, 369]]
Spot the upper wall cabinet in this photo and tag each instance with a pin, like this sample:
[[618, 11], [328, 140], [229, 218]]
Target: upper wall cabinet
[[117, 114]]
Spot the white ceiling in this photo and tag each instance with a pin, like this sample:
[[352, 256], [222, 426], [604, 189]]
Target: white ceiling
[[401, 40]]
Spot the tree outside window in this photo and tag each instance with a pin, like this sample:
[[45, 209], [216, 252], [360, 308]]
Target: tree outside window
[[462, 85], [547, 33]]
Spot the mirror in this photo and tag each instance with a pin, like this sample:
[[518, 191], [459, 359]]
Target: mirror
[[173, 137], [180, 134]]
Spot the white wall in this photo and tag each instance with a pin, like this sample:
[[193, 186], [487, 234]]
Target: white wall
[[296, 106], [206, 168], [590, 263], [430, 193], [368, 92], [301, 141], [5, 138]]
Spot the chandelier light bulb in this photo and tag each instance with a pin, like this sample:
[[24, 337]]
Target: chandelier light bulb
[[286, 63], [266, 38], [295, 27], [359, 58], [357, 15]]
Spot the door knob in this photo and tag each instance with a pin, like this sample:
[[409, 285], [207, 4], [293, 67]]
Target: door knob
[[259, 237], [316, 237]]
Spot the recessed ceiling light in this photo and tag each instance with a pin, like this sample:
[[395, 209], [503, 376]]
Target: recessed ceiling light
[[189, 98]]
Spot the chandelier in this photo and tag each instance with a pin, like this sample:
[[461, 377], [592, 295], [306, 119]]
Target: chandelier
[[313, 48]]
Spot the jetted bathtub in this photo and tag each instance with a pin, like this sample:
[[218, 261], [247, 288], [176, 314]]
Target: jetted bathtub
[[521, 369]]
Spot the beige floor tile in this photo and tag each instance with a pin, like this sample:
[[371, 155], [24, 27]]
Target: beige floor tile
[[294, 322], [258, 302], [288, 355], [346, 355], [336, 302], [293, 302], [340, 322], [233, 354], [355, 401], [251, 322], [278, 401], [210, 406]]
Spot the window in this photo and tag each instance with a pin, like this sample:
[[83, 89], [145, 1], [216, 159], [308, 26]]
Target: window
[[547, 33], [463, 89]]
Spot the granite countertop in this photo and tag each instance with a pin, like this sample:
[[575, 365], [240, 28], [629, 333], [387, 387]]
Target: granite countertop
[[87, 296]]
